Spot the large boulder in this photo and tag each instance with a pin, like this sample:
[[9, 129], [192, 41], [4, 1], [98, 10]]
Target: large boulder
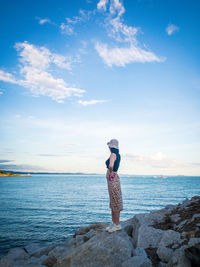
[[103, 249], [137, 261], [147, 236], [13, 256], [179, 259], [139, 252], [169, 238], [32, 248], [33, 262]]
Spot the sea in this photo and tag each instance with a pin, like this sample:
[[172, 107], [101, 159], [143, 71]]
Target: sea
[[46, 208]]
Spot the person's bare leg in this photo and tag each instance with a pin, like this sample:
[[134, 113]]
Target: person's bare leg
[[115, 216]]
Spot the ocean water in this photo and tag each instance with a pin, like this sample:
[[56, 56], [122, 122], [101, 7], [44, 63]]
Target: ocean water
[[49, 208]]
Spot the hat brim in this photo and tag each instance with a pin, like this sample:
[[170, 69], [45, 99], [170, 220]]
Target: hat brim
[[112, 146]]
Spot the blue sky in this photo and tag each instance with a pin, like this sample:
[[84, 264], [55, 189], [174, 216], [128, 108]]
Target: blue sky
[[75, 74]]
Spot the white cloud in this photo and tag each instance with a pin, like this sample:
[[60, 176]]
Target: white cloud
[[68, 26], [120, 32], [67, 29], [155, 161], [35, 63], [171, 29], [61, 61], [43, 21], [122, 56], [7, 77], [90, 102], [116, 7], [43, 83], [1, 92], [102, 4], [40, 57]]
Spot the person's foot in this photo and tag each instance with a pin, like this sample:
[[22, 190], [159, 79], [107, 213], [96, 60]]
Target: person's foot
[[110, 225], [115, 227]]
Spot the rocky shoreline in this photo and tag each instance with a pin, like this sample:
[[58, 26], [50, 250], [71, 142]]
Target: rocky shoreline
[[164, 238]]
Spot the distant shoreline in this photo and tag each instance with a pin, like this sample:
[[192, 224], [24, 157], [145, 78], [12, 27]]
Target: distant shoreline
[[13, 175], [24, 174]]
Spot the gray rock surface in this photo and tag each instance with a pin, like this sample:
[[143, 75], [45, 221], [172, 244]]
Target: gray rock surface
[[193, 241], [179, 259], [175, 217], [107, 250], [148, 237], [139, 252], [137, 261], [93, 246], [14, 255]]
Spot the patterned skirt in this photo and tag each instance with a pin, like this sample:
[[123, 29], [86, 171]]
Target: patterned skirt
[[115, 193]]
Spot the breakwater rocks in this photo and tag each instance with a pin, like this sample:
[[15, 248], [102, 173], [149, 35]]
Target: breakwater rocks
[[163, 238]]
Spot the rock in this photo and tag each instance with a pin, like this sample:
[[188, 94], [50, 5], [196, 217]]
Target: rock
[[54, 254], [197, 215], [139, 252], [162, 264], [32, 248], [128, 229], [90, 234], [193, 241], [164, 253], [43, 251], [93, 246], [104, 249], [14, 256], [97, 227], [179, 259], [193, 254], [49, 261], [183, 234], [175, 217], [80, 239], [70, 241], [35, 262], [17, 253], [169, 237], [185, 203], [148, 237], [170, 207], [137, 261], [148, 219], [180, 225], [145, 220], [57, 251], [175, 246]]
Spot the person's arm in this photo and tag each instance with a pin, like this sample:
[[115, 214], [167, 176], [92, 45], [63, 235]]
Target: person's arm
[[112, 160]]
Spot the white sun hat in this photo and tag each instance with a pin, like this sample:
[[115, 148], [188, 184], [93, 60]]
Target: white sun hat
[[113, 143]]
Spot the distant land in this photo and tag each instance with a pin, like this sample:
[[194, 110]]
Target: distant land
[[28, 173], [71, 173], [12, 174]]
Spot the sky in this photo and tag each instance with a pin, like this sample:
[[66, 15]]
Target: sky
[[75, 74]]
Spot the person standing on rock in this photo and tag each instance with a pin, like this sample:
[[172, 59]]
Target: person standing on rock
[[114, 187]]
